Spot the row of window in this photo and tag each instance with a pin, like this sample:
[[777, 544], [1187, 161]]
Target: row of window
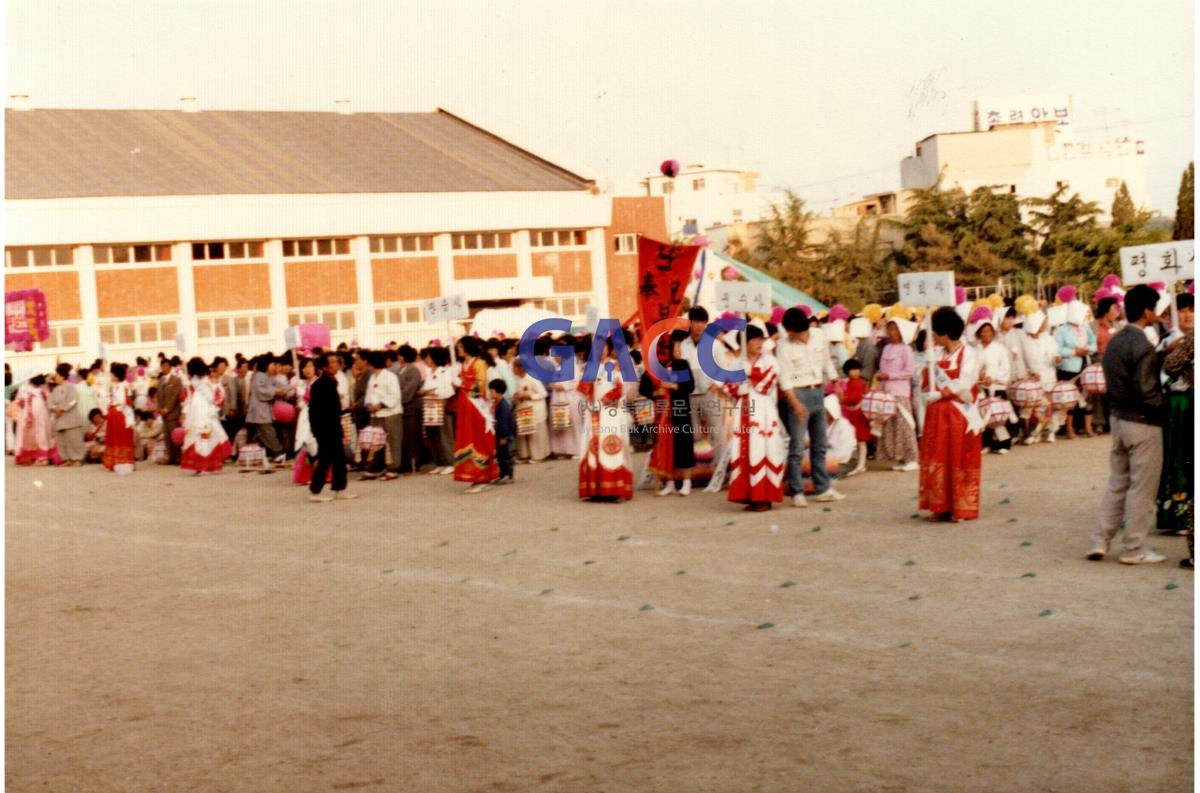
[[398, 315], [405, 243], [564, 306], [214, 251], [41, 256], [560, 238], [231, 327], [298, 249], [138, 332], [334, 320]]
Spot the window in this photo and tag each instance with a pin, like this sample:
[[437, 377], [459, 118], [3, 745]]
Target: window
[[697, 184], [625, 243], [296, 249], [142, 331], [216, 251], [39, 256], [131, 254], [334, 319], [399, 315], [61, 337], [562, 238], [406, 243], [478, 240], [221, 327], [668, 187]]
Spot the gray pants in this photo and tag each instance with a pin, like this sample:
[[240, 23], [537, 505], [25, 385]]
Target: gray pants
[[392, 455], [1134, 464], [706, 413], [70, 444]]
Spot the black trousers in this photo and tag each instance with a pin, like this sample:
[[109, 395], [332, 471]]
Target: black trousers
[[329, 453]]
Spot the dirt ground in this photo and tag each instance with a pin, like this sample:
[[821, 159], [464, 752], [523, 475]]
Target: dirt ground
[[166, 633]]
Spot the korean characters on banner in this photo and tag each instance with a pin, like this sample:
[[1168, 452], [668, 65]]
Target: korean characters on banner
[[997, 111], [1165, 262], [446, 308], [743, 297], [663, 274], [927, 289]]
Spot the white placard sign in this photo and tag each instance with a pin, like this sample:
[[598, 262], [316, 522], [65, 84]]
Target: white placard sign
[[743, 297], [927, 289], [446, 309], [593, 318], [291, 337], [1165, 262], [181, 344]]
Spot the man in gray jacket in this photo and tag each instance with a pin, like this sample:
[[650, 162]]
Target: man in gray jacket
[[1136, 404], [260, 420], [67, 420]]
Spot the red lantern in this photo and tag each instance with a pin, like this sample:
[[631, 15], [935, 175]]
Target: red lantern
[[669, 168], [177, 436]]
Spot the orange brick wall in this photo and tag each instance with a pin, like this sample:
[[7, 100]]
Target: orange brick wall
[[139, 292], [643, 215], [61, 290], [571, 270], [411, 278], [232, 287], [486, 265], [320, 283]]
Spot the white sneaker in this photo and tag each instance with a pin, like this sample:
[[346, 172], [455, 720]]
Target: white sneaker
[[1030, 440], [1002, 451], [829, 495], [910, 466], [668, 489], [1097, 552], [686, 490], [320, 499], [342, 495], [1145, 557], [1050, 438], [449, 469], [799, 500]]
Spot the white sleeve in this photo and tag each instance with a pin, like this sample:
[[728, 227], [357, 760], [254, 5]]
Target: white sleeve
[[968, 375]]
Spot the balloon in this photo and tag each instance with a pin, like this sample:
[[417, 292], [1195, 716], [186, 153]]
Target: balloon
[[730, 274], [960, 295], [284, 412], [177, 436], [1066, 293], [669, 168]]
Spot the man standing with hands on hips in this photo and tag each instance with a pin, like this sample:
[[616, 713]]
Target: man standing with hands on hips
[[804, 368]]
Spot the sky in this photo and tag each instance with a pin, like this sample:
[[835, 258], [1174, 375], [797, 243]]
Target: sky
[[823, 97]]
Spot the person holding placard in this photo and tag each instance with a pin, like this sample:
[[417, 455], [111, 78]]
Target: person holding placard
[[952, 443]]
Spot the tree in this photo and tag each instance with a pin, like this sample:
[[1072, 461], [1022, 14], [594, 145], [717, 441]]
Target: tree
[[784, 247], [994, 242], [854, 267], [1123, 211], [1185, 206], [932, 228], [1056, 217]]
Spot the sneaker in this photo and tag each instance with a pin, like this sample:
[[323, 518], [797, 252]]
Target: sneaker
[[1145, 557], [1050, 438], [281, 459], [799, 500], [476, 489], [829, 495], [668, 489], [909, 466], [342, 495], [1030, 441], [320, 499], [449, 469], [1002, 451], [686, 490], [860, 469], [1097, 552], [504, 480]]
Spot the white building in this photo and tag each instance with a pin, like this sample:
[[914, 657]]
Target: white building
[[1030, 159], [700, 198]]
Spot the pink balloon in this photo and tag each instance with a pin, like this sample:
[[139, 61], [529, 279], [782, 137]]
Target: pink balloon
[[284, 412], [669, 168], [729, 274], [177, 436]]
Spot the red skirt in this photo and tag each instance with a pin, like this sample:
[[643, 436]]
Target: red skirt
[[597, 480], [191, 460], [302, 470], [862, 427], [118, 440], [951, 463], [474, 445]]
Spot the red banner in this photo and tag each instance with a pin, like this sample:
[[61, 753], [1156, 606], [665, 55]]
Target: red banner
[[663, 274], [25, 319]]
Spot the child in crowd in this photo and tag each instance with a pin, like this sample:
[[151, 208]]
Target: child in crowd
[[841, 438], [94, 437], [149, 428], [506, 430], [851, 392]]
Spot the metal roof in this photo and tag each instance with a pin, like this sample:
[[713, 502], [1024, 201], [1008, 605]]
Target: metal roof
[[81, 153]]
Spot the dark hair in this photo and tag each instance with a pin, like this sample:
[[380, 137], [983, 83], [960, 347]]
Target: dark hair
[[1183, 300], [772, 328], [140, 361], [152, 391], [795, 320], [473, 347], [196, 367], [947, 322], [850, 365], [391, 356], [118, 371], [176, 360], [498, 385], [1105, 305], [376, 359], [219, 360], [697, 314], [408, 353], [263, 362], [541, 345], [1138, 300], [583, 344], [93, 413], [440, 356], [63, 370], [919, 341], [1011, 313], [636, 355], [678, 336], [38, 379], [321, 362], [754, 332]]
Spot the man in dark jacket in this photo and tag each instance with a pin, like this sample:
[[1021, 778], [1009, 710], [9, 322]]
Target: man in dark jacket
[[410, 398], [170, 405], [1136, 403], [325, 421]]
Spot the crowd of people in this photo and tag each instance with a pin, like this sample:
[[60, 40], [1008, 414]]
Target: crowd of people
[[820, 397]]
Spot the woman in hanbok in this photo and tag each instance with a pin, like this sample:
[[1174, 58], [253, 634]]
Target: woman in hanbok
[[475, 434], [952, 443], [34, 431], [673, 456], [566, 423], [117, 401], [205, 444], [606, 465], [757, 446]]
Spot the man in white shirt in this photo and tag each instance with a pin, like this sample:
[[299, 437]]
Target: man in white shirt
[[383, 401], [804, 368], [705, 399]]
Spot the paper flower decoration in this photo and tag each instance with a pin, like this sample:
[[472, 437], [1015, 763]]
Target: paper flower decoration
[[899, 311], [981, 314], [873, 312], [996, 300]]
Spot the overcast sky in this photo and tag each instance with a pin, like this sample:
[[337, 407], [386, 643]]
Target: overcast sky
[[824, 97]]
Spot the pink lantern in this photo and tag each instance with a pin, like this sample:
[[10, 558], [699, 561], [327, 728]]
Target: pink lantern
[[283, 412], [960, 295], [1066, 293], [177, 436], [777, 315], [729, 274], [669, 168], [1111, 280]]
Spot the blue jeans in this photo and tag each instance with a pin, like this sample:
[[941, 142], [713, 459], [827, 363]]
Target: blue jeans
[[813, 400]]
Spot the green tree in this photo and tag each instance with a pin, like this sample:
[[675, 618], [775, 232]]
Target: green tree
[[784, 247], [1057, 218], [933, 226], [1185, 206], [853, 267], [994, 241], [1123, 211]]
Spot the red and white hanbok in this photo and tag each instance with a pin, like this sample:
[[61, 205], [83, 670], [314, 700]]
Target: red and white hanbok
[[605, 464], [952, 442], [205, 444], [34, 442], [474, 429], [117, 401], [758, 446]]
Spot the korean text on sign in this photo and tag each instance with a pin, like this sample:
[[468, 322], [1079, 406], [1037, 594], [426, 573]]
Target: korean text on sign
[[743, 297], [927, 289], [1164, 262], [445, 309]]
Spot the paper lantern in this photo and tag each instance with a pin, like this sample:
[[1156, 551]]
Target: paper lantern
[[730, 274], [1064, 394], [1066, 293], [879, 405], [996, 411], [283, 412], [177, 436], [1091, 379], [669, 168], [960, 295], [1026, 393]]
